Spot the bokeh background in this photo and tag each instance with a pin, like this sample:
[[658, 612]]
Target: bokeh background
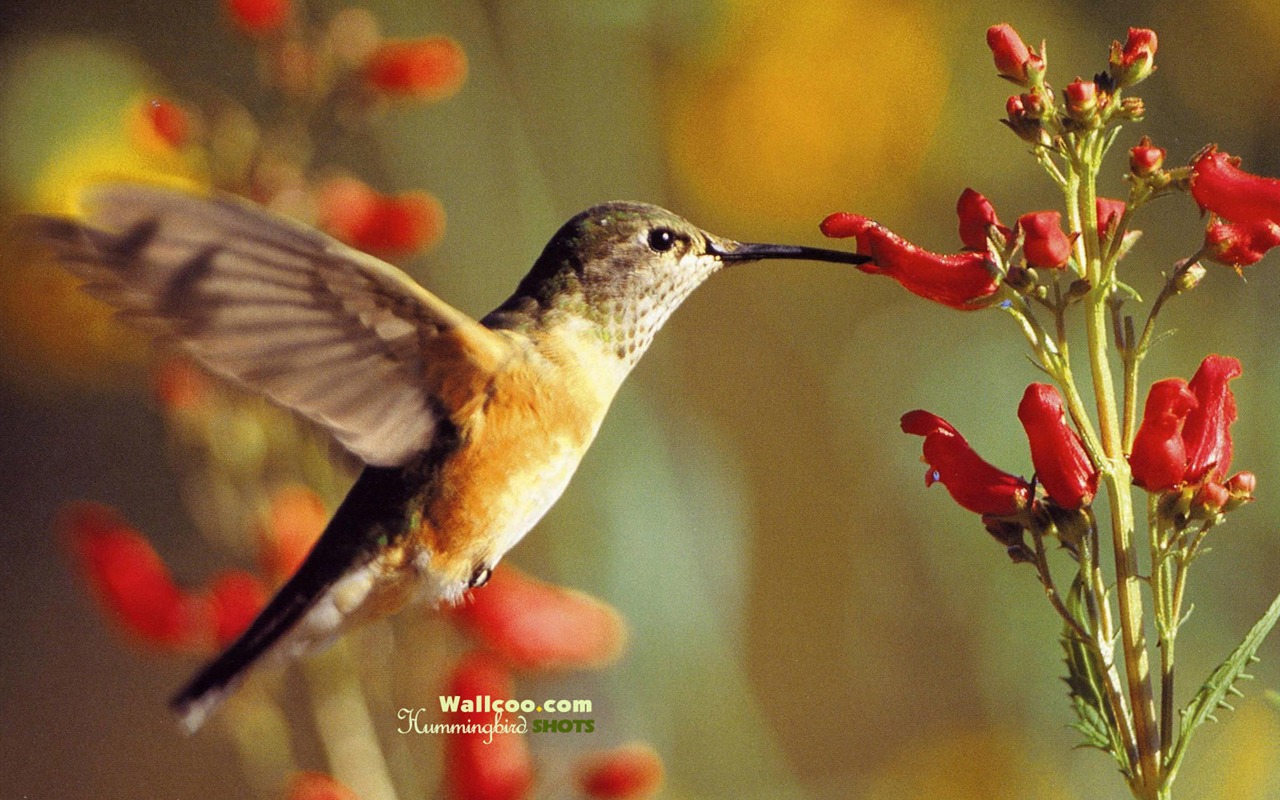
[[806, 619]]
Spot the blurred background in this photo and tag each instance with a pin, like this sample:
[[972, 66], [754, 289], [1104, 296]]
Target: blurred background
[[806, 619]]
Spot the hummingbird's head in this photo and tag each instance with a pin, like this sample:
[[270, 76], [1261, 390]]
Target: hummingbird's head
[[625, 267]]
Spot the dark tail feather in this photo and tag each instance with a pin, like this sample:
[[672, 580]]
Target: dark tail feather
[[373, 508]]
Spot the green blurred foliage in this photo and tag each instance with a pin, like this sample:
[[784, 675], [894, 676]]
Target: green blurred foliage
[[807, 619]]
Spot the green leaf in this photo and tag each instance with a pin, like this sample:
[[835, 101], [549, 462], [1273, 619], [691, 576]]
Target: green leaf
[[1094, 719], [1221, 682]]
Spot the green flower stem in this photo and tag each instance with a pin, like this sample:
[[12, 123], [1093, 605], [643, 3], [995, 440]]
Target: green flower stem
[[1081, 196]]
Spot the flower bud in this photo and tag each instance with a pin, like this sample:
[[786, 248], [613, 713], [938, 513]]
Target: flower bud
[[1082, 100], [1014, 60], [1044, 245], [1022, 122], [1110, 212], [1209, 500], [1190, 278], [1145, 159], [1133, 61], [1241, 487], [1132, 109]]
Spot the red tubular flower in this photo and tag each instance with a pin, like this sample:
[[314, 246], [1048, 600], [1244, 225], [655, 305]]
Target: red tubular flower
[[420, 69], [972, 482], [1082, 99], [130, 581], [1044, 244], [1014, 60], [1062, 466], [1240, 244], [236, 597], [630, 772], [1135, 59], [1159, 455], [976, 216], [535, 625], [477, 765], [1109, 213], [317, 786], [258, 17], [1146, 159], [380, 224], [959, 281], [1207, 433], [1220, 186]]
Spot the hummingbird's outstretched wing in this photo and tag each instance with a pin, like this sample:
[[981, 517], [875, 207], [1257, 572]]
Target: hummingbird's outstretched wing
[[336, 335]]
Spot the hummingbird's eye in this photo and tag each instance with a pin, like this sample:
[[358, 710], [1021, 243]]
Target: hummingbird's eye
[[662, 239], [480, 577]]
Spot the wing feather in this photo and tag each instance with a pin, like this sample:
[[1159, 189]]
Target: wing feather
[[338, 336]]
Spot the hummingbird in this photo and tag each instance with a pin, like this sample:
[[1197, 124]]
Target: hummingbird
[[469, 431]]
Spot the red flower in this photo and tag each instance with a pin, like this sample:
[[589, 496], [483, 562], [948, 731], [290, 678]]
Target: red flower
[[1044, 244], [295, 520], [131, 582], [236, 597], [1109, 213], [1159, 455], [1082, 99], [1145, 159], [1207, 433], [419, 69], [1062, 466], [976, 216], [1135, 59], [317, 786], [258, 17], [380, 224], [535, 625], [972, 482], [1014, 60], [482, 765], [1220, 186], [1240, 244], [630, 772], [959, 281]]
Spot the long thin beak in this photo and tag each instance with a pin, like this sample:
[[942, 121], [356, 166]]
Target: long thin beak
[[745, 251]]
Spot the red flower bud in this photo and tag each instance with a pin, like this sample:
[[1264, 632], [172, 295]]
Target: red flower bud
[[258, 17], [1242, 484], [420, 69], [958, 281], [1242, 244], [1207, 433], [630, 772], [1014, 60], [972, 482], [1082, 99], [1109, 213], [1044, 244], [1211, 497], [1220, 186], [1145, 159], [1062, 466], [477, 765], [1159, 455], [1023, 118], [976, 216], [1135, 59]]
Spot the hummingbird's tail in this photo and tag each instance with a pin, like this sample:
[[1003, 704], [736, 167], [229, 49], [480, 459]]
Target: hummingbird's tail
[[373, 509]]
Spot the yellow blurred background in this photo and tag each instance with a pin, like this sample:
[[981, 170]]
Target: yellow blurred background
[[807, 620]]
